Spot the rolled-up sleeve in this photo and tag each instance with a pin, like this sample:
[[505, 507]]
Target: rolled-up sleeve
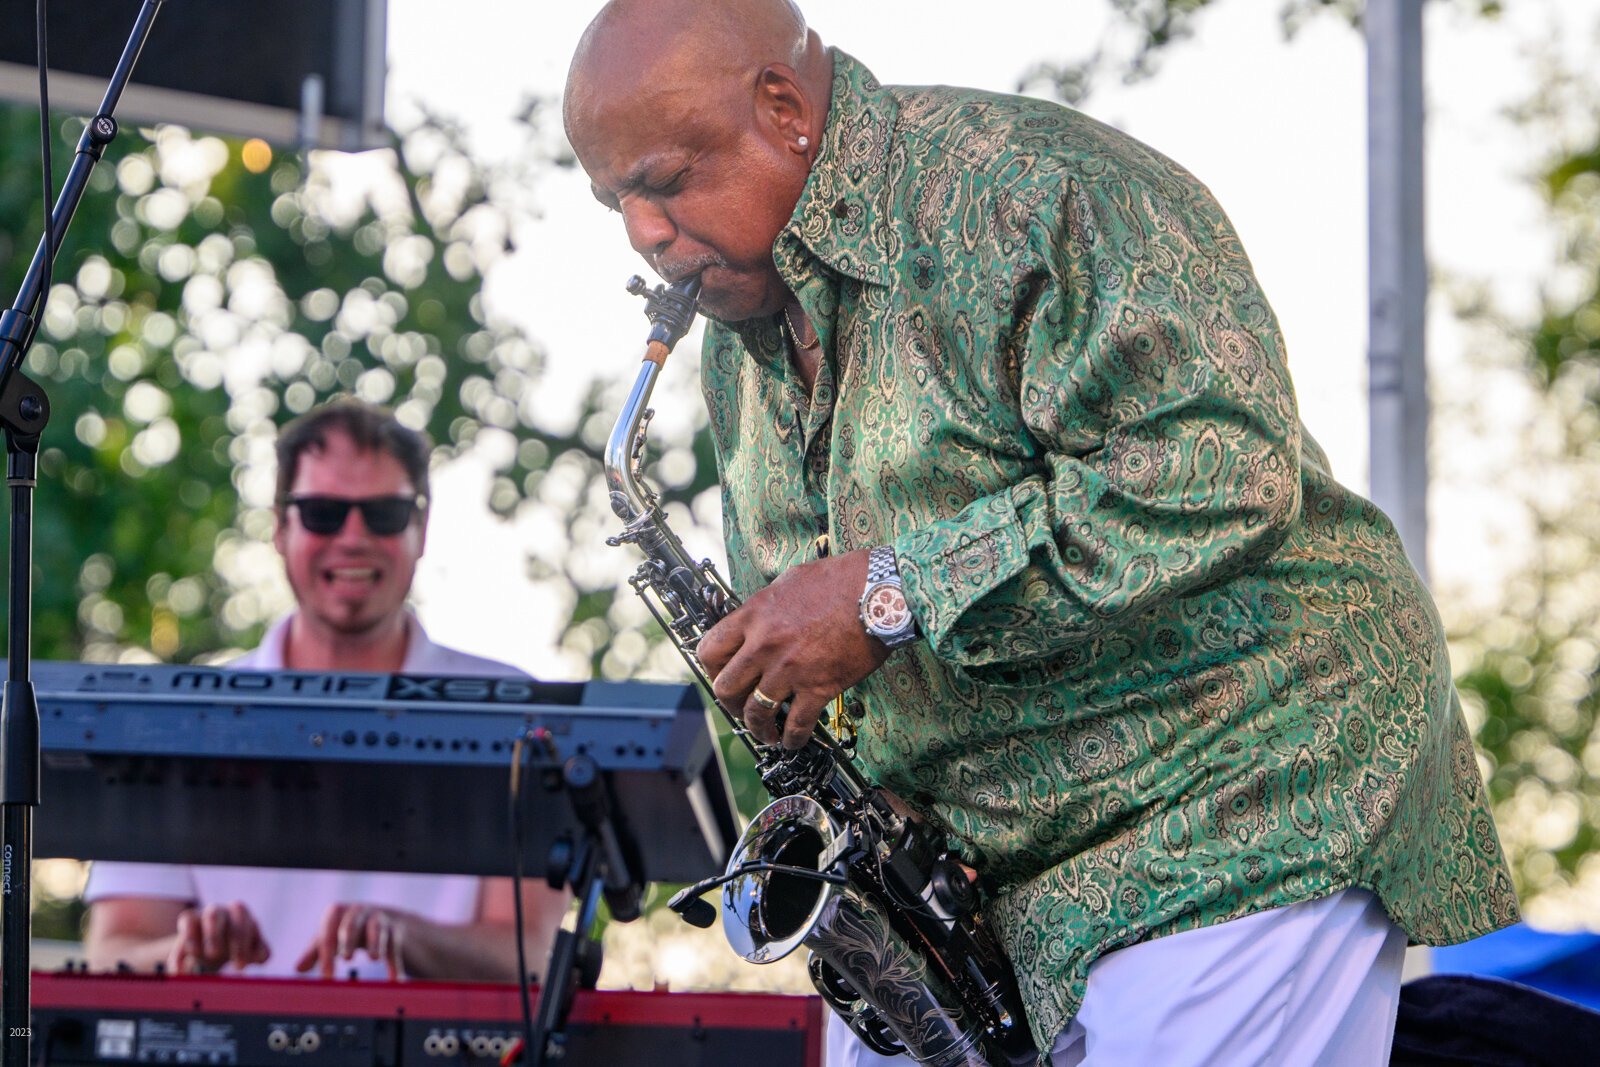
[[1150, 376]]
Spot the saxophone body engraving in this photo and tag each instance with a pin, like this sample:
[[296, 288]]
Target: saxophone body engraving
[[898, 948]]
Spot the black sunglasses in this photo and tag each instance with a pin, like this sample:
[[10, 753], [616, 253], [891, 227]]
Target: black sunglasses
[[384, 516]]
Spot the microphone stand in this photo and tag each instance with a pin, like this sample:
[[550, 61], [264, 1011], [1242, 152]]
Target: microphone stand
[[597, 865], [24, 411]]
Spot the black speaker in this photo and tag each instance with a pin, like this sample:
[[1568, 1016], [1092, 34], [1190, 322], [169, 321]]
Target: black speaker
[[302, 72]]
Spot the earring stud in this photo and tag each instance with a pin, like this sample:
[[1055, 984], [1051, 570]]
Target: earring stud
[[804, 142]]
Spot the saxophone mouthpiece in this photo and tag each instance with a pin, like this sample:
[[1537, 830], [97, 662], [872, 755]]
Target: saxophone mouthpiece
[[670, 309]]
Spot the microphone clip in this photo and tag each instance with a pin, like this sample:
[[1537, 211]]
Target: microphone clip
[[689, 906]]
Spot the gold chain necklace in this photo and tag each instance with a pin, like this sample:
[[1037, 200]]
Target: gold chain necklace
[[795, 334]]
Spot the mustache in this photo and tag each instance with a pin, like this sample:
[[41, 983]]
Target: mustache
[[672, 270]]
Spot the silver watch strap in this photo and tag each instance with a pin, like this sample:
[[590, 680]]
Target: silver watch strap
[[881, 565]]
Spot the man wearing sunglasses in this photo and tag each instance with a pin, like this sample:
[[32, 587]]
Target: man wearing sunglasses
[[351, 510]]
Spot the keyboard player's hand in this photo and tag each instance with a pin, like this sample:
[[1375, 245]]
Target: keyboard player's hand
[[350, 928], [212, 937]]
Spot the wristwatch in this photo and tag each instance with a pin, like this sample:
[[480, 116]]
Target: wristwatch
[[884, 611]]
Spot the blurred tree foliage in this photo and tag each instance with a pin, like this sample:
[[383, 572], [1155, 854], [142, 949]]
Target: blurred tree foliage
[[200, 302], [1531, 669]]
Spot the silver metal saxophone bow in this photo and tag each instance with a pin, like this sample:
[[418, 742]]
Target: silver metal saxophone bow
[[898, 947]]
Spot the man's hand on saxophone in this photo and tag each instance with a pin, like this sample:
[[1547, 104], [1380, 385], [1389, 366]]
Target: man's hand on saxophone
[[799, 641]]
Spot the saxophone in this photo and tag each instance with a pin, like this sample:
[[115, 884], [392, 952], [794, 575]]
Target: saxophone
[[898, 947]]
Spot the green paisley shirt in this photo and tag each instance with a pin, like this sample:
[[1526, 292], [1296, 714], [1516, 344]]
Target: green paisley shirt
[[1173, 672]]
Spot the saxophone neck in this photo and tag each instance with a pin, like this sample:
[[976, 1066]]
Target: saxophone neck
[[631, 499], [671, 311]]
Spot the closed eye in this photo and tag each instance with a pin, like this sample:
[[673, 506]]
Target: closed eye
[[669, 185]]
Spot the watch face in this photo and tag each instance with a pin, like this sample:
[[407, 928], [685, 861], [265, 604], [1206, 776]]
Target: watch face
[[884, 610]]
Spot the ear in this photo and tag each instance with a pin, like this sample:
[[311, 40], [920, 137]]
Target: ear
[[785, 111], [280, 531]]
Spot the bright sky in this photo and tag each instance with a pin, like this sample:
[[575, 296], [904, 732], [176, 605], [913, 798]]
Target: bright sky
[[1277, 129]]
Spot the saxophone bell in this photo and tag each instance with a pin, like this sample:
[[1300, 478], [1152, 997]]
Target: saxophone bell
[[802, 876]]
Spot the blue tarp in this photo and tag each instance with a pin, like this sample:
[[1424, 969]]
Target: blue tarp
[[1565, 965]]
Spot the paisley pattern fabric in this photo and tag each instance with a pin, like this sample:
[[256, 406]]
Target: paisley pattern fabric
[[1173, 672]]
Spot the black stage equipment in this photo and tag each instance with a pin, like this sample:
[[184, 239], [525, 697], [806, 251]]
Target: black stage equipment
[[294, 72], [392, 772]]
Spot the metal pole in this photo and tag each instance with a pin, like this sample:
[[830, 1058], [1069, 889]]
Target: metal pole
[[1398, 271]]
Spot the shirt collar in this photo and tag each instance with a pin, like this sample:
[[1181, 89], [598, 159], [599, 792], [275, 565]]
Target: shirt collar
[[839, 217], [269, 655]]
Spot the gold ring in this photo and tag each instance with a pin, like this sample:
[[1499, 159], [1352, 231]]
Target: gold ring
[[765, 701]]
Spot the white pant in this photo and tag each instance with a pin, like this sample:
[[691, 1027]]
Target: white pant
[[1309, 985]]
